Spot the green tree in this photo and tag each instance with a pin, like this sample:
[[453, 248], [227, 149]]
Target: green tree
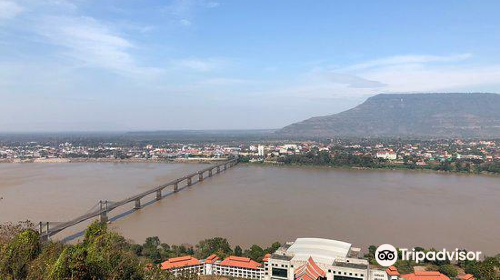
[[94, 230], [102, 255], [17, 255], [238, 251], [255, 252], [217, 245], [404, 267], [151, 249], [40, 268], [448, 270], [488, 269], [370, 256], [155, 273], [273, 248], [70, 264]]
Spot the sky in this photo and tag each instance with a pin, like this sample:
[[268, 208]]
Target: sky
[[125, 65]]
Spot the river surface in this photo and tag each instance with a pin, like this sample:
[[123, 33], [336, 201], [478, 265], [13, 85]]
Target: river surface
[[261, 204]]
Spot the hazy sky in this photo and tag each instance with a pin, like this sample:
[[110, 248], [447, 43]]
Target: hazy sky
[[214, 64]]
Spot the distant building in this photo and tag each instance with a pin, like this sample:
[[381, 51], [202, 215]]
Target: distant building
[[261, 151], [239, 267], [389, 155], [421, 163], [303, 259], [425, 275], [289, 149], [318, 259], [183, 264], [232, 266], [392, 272]]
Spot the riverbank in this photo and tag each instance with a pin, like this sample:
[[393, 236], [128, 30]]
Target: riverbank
[[114, 160], [346, 167], [215, 160]]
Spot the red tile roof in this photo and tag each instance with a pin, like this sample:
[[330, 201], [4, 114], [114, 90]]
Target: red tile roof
[[425, 275], [466, 277], [309, 271], [240, 262], [211, 259], [179, 262], [266, 257], [392, 271]]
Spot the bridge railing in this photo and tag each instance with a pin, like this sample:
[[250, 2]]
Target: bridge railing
[[46, 232]]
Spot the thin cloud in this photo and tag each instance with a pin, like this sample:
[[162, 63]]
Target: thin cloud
[[212, 4], [354, 81], [199, 65], [9, 9], [404, 73], [406, 59], [185, 22], [184, 11], [436, 78], [92, 43], [224, 82]]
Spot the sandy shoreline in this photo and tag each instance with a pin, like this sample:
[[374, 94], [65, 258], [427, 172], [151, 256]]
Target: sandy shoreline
[[110, 160], [213, 160]]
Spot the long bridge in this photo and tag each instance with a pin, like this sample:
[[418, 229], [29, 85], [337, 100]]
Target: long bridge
[[48, 229]]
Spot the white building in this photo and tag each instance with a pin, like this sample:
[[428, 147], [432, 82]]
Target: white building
[[232, 266], [317, 258], [261, 151], [289, 149], [390, 155]]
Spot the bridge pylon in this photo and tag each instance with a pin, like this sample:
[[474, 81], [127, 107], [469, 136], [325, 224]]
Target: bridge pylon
[[44, 235], [107, 206], [103, 207]]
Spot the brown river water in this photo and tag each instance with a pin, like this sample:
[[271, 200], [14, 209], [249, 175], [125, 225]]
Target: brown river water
[[262, 204]]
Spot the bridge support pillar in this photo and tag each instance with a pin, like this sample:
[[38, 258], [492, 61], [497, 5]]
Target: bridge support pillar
[[158, 194], [189, 181], [218, 169], [43, 236], [200, 176], [103, 218], [103, 206], [137, 204], [176, 187]]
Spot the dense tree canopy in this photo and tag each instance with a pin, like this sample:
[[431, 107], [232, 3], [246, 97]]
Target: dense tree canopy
[[107, 255]]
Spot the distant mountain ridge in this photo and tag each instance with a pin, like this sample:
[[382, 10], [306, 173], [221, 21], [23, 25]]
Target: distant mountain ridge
[[409, 115]]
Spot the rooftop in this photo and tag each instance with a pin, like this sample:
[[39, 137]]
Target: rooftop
[[211, 259], [179, 262], [320, 249], [240, 262], [351, 265], [309, 271], [392, 271], [425, 275]]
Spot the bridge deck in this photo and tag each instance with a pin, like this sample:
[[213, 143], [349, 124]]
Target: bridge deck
[[60, 227]]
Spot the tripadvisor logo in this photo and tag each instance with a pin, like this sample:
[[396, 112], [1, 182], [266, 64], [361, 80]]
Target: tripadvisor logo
[[387, 255]]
